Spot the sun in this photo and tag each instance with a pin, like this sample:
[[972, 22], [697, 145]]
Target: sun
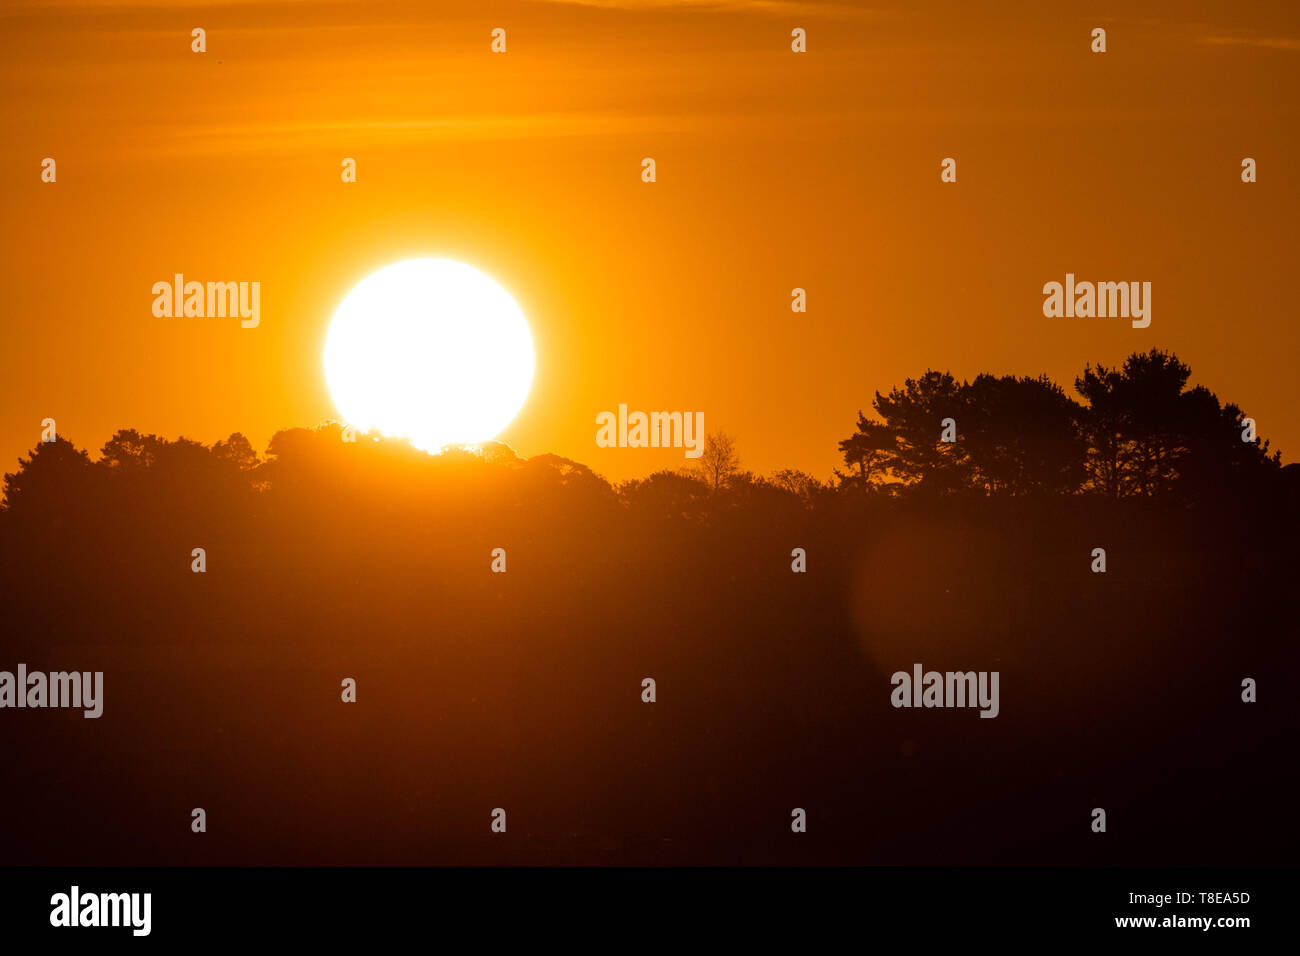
[[430, 349]]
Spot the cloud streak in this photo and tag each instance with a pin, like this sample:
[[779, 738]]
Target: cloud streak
[[775, 7], [1271, 43]]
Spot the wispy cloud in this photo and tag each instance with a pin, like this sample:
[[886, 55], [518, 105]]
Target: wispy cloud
[[781, 7], [308, 134], [110, 6], [1272, 43]]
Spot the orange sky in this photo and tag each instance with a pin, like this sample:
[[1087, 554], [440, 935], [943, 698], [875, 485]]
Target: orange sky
[[775, 170]]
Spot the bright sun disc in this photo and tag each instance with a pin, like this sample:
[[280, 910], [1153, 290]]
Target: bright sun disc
[[431, 349]]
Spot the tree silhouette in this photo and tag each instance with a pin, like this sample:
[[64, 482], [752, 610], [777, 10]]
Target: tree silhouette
[[667, 495], [54, 477], [1105, 429], [798, 483], [1149, 435], [719, 461], [870, 449], [238, 451], [130, 452], [1150, 393], [913, 414], [1021, 436]]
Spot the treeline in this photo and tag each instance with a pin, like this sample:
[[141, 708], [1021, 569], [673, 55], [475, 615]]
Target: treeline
[[1139, 432]]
